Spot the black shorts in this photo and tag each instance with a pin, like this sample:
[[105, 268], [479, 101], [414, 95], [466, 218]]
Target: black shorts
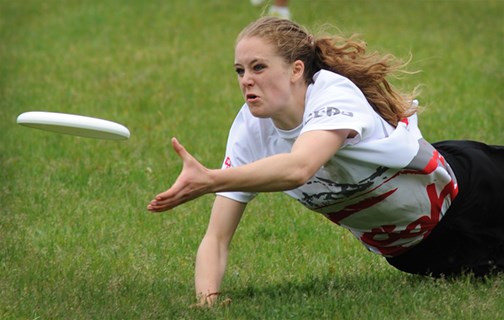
[[470, 237]]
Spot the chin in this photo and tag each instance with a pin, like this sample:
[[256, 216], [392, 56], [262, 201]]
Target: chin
[[257, 112]]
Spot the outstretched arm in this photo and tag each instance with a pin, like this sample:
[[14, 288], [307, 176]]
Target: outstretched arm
[[211, 259], [276, 173]]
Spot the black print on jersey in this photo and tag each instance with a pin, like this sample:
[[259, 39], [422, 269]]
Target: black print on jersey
[[326, 112], [341, 190]]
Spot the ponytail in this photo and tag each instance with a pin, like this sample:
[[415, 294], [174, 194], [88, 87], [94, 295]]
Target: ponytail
[[368, 71]]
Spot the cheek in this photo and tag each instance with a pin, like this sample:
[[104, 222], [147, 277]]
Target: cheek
[[279, 86], [279, 92]]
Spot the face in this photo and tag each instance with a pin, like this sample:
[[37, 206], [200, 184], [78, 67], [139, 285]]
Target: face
[[265, 79]]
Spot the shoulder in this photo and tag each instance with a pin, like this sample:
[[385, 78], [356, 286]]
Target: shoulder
[[248, 133], [335, 102], [331, 90], [246, 125], [325, 79]]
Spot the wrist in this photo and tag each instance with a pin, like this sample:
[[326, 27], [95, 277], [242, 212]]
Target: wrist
[[215, 183]]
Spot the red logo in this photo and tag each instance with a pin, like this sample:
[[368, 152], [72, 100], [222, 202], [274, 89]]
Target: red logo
[[227, 163]]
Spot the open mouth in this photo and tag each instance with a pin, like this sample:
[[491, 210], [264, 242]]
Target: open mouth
[[251, 97]]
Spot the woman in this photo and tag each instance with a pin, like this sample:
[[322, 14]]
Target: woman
[[322, 124]]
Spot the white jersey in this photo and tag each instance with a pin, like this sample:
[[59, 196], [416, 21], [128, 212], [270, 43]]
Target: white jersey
[[387, 185]]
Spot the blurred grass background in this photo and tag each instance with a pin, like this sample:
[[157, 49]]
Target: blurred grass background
[[75, 239]]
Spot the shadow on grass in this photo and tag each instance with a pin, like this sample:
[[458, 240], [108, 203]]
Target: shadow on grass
[[385, 294]]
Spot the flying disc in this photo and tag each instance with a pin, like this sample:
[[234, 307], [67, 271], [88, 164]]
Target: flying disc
[[73, 124]]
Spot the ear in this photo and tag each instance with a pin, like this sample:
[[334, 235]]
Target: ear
[[297, 70]]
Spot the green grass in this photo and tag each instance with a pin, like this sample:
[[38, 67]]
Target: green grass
[[75, 239]]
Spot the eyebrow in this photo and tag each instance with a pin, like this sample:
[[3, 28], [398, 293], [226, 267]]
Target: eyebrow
[[251, 62]]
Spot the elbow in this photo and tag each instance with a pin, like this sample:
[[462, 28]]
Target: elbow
[[299, 177]]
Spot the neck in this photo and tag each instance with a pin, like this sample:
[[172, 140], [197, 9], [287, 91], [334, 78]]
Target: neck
[[293, 113], [288, 123]]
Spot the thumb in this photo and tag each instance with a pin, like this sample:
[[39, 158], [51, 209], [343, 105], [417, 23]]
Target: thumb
[[179, 149]]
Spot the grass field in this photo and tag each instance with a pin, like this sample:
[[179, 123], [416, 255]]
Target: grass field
[[75, 239]]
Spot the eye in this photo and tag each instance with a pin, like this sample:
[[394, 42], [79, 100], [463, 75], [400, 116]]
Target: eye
[[240, 72], [259, 67]]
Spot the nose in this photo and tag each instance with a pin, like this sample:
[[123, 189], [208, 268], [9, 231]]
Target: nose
[[246, 80]]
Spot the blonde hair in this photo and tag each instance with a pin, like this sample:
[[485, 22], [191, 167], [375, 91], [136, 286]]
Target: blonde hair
[[345, 56]]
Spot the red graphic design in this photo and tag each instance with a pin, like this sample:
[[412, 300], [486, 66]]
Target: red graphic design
[[420, 227], [336, 217], [382, 237], [227, 162]]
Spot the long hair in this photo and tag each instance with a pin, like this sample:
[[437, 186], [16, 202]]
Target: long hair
[[344, 56]]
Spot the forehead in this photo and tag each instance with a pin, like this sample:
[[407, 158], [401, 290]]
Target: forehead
[[254, 48]]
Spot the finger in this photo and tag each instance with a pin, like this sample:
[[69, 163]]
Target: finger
[[171, 193], [162, 204], [158, 208], [165, 204], [170, 202], [163, 195], [179, 149]]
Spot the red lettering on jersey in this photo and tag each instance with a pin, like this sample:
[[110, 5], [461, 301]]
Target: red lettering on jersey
[[423, 226], [227, 162], [384, 236]]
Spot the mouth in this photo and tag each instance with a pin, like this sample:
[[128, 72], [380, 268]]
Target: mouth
[[251, 97]]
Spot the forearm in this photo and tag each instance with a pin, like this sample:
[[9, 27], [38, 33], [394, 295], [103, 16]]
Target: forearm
[[276, 173], [284, 171], [211, 259], [211, 263]]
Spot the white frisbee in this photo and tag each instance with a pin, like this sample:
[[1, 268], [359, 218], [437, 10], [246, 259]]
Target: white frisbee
[[73, 124]]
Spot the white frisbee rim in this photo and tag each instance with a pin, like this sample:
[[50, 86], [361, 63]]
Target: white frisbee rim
[[73, 124]]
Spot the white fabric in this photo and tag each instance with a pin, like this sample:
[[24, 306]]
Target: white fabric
[[387, 185]]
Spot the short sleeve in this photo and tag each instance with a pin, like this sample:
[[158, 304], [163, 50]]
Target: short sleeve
[[239, 151], [334, 102]]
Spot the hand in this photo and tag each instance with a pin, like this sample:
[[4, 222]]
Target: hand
[[193, 181], [206, 300], [210, 300]]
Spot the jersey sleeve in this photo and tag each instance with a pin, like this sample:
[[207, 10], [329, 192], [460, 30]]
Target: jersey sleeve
[[239, 151], [336, 103]]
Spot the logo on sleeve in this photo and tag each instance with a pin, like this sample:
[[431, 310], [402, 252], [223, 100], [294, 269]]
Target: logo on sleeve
[[327, 112], [227, 162]]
